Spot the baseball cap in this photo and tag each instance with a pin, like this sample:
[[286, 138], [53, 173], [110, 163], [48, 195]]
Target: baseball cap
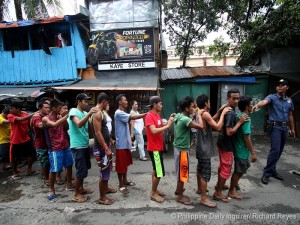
[[83, 96], [282, 81], [154, 100]]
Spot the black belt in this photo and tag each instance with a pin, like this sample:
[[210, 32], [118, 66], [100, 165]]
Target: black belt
[[279, 123]]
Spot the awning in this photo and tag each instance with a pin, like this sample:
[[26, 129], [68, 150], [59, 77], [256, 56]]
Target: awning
[[135, 79], [227, 79], [20, 92]]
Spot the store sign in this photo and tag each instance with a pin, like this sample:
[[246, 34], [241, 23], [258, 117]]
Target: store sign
[[122, 49]]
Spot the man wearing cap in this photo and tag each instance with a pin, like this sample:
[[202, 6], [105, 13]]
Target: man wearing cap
[[154, 131], [280, 118], [79, 140], [123, 141]]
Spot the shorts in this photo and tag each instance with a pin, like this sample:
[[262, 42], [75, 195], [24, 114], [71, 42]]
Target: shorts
[[42, 157], [226, 159], [181, 159], [104, 162], [20, 151], [82, 160], [157, 163], [204, 168], [123, 160], [241, 165], [4, 152], [59, 159]]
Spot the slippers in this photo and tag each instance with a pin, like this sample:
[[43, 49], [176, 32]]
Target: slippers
[[87, 191], [32, 172], [158, 199], [110, 191], [7, 167], [105, 202], [130, 183], [16, 177], [52, 198], [225, 200], [60, 182], [123, 190], [79, 199], [208, 204], [236, 196], [185, 201]]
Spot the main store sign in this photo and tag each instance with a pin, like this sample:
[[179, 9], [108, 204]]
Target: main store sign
[[122, 49]]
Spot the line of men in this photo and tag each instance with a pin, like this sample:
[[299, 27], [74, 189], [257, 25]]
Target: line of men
[[61, 138]]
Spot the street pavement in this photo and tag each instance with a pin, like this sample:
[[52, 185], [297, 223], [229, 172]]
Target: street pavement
[[25, 201]]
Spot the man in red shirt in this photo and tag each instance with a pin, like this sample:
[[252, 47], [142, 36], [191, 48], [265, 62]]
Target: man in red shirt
[[21, 146], [154, 130], [39, 139]]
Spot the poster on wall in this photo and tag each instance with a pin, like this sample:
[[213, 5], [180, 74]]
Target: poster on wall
[[122, 49]]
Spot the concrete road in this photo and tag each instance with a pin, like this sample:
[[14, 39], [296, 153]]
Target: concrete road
[[25, 201]]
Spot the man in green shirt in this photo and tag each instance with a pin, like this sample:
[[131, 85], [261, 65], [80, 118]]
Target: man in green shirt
[[182, 125], [243, 147]]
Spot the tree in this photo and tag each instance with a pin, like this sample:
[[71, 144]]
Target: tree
[[188, 22], [32, 8], [260, 26]]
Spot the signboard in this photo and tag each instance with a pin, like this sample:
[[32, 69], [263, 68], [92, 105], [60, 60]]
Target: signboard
[[122, 49]]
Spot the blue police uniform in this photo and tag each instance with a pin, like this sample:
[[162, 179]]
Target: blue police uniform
[[279, 109]]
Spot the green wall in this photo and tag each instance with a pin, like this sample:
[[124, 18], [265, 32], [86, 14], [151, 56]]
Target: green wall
[[172, 93], [258, 91]]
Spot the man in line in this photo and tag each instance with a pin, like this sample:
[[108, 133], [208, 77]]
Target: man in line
[[60, 153], [182, 141], [79, 138], [280, 119], [137, 127], [226, 143], [243, 147], [102, 149], [21, 145], [154, 131], [205, 147], [4, 138], [123, 142], [39, 139]]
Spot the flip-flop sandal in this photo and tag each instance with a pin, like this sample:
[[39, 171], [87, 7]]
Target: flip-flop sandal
[[237, 196], [70, 189], [111, 191], [80, 199], [123, 190], [32, 172], [208, 204], [159, 199], [105, 202], [224, 200], [185, 202], [52, 198], [16, 177], [130, 183]]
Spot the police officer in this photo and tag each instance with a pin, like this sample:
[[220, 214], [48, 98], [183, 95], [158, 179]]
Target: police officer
[[280, 118]]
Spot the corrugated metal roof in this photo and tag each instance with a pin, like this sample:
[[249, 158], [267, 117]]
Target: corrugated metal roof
[[168, 74], [205, 71], [53, 19], [214, 71]]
